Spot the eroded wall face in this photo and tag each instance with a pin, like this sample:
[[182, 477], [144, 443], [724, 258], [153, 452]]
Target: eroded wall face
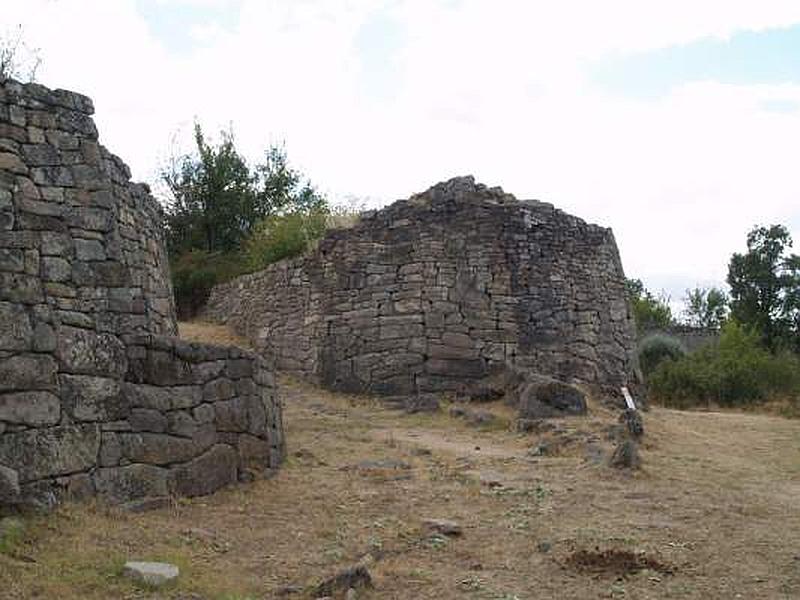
[[83, 268], [439, 291]]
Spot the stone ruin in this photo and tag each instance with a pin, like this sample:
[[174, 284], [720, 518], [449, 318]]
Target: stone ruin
[[97, 396], [460, 289]]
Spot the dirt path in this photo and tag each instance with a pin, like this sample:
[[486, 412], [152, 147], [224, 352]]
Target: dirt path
[[713, 514]]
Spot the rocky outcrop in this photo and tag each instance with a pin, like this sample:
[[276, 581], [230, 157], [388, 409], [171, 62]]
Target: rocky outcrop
[[95, 396], [439, 292]]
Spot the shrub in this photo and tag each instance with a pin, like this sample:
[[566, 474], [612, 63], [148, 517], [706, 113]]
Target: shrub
[[656, 348], [195, 273], [735, 371], [284, 236]]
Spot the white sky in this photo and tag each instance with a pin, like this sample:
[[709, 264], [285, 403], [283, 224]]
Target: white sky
[[381, 99]]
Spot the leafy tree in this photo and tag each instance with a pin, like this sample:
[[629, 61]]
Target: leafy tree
[[217, 199], [765, 287], [214, 204], [282, 189], [706, 307], [650, 312]]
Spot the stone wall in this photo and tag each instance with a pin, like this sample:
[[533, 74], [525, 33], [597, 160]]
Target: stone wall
[[443, 289], [94, 397]]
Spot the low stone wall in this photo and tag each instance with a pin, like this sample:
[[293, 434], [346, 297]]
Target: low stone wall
[[167, 417]]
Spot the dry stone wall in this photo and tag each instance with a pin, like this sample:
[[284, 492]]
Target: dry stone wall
[[95, 396], [441, 291]]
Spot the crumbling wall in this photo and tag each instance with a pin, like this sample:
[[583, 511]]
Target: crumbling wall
[[95, 398], [441, 290]]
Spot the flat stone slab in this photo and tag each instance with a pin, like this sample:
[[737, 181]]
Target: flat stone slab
[[443, 526], [151, 573]]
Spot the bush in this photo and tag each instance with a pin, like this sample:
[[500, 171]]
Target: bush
[[195, 273], [656, 348], [284, 236], [735, 371]]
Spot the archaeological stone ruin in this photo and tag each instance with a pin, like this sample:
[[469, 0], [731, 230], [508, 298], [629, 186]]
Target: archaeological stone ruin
[[97, 396], [447, 291]]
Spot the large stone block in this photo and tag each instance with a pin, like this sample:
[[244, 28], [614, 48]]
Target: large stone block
[[158, 448], [15, 327], [542, 399], [41, 453], [27, 372], [83, 351], [35, 409], [215, 469], [122, 484], [93, 398]]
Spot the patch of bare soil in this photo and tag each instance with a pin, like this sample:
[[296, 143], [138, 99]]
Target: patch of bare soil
[[715, 503], [611, 561]]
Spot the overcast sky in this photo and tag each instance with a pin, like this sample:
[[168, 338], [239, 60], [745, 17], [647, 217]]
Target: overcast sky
[[676, 123]]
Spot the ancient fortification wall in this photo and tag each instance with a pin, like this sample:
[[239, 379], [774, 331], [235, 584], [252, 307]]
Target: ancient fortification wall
[[95, 397], [441, 290]]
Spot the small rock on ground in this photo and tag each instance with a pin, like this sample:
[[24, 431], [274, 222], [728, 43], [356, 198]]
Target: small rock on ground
[[626, 456], [151, 573], [353, 578], [443, 526]]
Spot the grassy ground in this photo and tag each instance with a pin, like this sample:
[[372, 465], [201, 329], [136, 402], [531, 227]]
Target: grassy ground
[[713, 514]]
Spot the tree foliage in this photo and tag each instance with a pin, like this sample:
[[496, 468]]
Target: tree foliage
[[706, 307], [218, 199], [650, 312], [222, 215], [655, 348], [765, 287], [734, 371]]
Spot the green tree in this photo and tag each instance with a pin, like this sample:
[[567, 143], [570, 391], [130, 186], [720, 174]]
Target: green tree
[[283, 189], [706, 307], [650, 312], [217, 199], [765, 287], [214, 201]]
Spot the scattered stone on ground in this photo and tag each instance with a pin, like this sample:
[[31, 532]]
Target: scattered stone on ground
[[546, 399], [476, 418], [354, 578], [153, 574], [544, 547], [626, 455], [421, 451], [536, 426], [307, 457], [443, 526], [289, 590], [632, 419], [383, 464]]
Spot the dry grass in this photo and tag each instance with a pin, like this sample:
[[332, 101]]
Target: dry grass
[[716, 504], [198, 331]]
